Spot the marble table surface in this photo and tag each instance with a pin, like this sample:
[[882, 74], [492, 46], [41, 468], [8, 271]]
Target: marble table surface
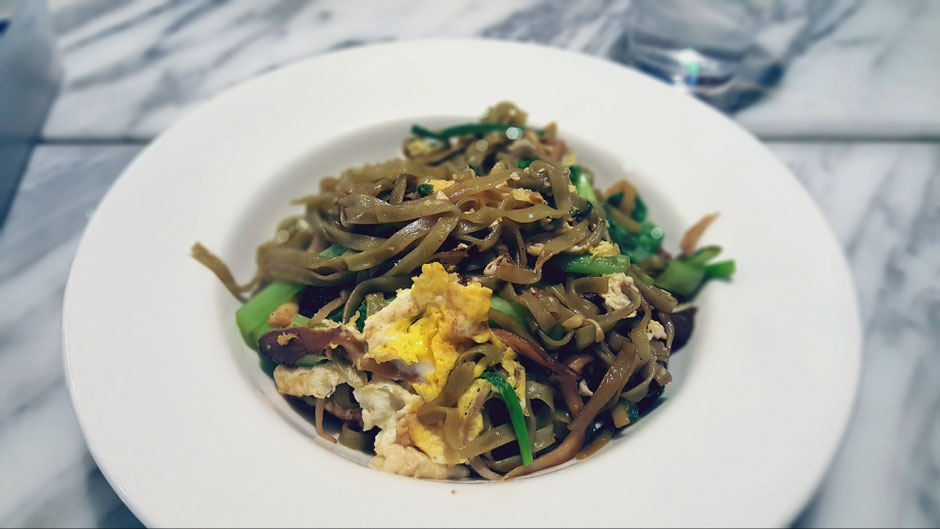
[[855, 116]]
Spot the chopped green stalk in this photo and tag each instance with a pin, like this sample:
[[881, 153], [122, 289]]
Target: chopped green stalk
[[639, 275], [720, 270], [334, 250], [685, 275], [647, 241], [517, 311], [299, 320], [465, 129], [525, 162], [583, 185], [363, 314], [703, 255], [425, 189], [336, 315], [638, 247], [639, 209], [516, 417], [252, 317], [310, 361], [594, 266], [681, 277], [619, 234], [557, 332]]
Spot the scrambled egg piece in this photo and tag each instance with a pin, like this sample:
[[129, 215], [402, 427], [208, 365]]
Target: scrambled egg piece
[[391, 407], [605, 249], [440, 185], [423, 331], [617, 285], [430, 440], [527, 195], [384, 403], [318, 381], [409, 461], [654, 329], [463, 406], [535, 248], [450, 318], [418, 147]]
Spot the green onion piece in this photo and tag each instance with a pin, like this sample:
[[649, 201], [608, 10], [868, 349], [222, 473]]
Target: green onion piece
[[334, 250], [517, 311], [619, 234], [508, 396], [252, 317], [647, 241], [418, 130], [310, 361], [720, 270], [363, 314], [425, 189], [640, 246], [615, 199], [593, 266], [476, 170], [639, 275], [583, 185], [681, 277], [639, 209], [465, 129], [336, 315], [703, 255], [685, 275], [525, 162]]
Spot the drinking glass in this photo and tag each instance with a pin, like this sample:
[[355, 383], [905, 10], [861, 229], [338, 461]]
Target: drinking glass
[[695, 44]]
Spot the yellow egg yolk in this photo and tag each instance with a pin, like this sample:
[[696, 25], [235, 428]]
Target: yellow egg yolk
[[425, 329], [452, 318]]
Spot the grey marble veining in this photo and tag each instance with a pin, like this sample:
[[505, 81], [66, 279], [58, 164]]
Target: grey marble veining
[[47, 477], [863, 67], [883, 202]]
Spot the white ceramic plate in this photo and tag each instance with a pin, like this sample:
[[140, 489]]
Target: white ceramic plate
[[189, 431]]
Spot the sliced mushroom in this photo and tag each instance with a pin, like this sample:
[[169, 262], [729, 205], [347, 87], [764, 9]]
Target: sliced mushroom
[[287, 346]]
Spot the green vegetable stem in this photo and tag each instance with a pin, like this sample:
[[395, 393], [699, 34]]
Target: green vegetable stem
[[516, 417], [594, 266]]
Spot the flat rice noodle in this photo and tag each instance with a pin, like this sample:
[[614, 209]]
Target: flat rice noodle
[[557, 175], [476, 184], [383, 213], [393, 246], [378, 284], [426, 248]]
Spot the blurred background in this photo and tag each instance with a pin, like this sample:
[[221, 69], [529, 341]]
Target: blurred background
[[845, 92]]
